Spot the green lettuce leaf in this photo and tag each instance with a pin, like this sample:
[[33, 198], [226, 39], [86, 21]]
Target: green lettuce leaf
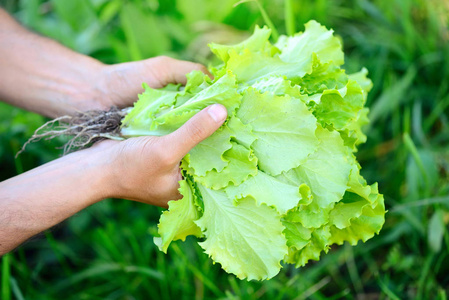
[[358, 220], [326, 171], [284, 127], [278, 182], [250, 67], [360, 214], [164, 116], [365, 83], [324, 76], [339, 108], [309, 216], [279, 86], [269, 190], [315, 39], [352, 133], [296, 58], [178, 222], [317, 242], [210, 153], [258, 42], [242, 164], [246, 239], [138, 121]]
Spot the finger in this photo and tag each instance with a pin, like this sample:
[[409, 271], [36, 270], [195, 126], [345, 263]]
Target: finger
[[198, 128], [174, 70]]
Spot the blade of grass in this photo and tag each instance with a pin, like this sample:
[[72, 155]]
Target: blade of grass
[[199, 289], [407, 119], [371, 263], [436, 230], [340, 295], [353, 272], [396, 122], [291, 284], [423, 202], [439, 264], [446, 240], [136, 249], [423, 278], [234, 286], [6, 277], [393, 96], [439, 109], [15, 147], [442, 295], [16, 290], [414, 220], [417, 124], [161, 265], [109, 245], [107, 268], [59, 255], [266, 18], [386, 289], [289, 15], [131, 40], [314, 288], [207, 282], [414, 152]]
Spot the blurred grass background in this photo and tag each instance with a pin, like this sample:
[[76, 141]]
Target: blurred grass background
[[106, 251]]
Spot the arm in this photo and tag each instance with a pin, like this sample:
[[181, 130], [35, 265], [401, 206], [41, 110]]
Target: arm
[[39, 74], [144, 169]]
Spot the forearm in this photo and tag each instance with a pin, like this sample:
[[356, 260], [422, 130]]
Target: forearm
[[45, 196], [40, 75], [144, 169]]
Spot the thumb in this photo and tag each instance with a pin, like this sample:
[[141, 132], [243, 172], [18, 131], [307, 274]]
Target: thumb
[[170, 70], [198, 128]]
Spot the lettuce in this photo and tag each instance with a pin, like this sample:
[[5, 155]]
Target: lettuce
[[278, 182]]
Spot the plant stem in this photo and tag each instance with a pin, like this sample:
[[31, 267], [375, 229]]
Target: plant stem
[[6, 274], [414, 152], [266, 18], [289, 18]]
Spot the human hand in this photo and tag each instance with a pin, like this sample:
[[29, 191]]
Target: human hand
[[146, 169], [122, 82], [61, 82]]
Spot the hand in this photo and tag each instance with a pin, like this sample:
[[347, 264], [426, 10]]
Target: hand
[[60, 81], [146, 169], [123, 82]]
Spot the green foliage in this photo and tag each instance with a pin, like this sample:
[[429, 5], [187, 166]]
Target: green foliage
[[106, 252], [301, 140]]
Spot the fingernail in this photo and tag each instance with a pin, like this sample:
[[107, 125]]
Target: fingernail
[[217, 112]]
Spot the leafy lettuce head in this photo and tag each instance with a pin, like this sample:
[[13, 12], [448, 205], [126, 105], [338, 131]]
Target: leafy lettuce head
[[278, 182]]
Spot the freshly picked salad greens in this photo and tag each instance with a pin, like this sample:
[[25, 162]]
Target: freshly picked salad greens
[[278, 182]]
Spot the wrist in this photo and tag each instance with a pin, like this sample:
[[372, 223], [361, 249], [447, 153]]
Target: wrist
[[54, 191], [104, 169]]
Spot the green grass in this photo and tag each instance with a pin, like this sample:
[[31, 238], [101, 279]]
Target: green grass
[[6, 277], [106, 251]]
